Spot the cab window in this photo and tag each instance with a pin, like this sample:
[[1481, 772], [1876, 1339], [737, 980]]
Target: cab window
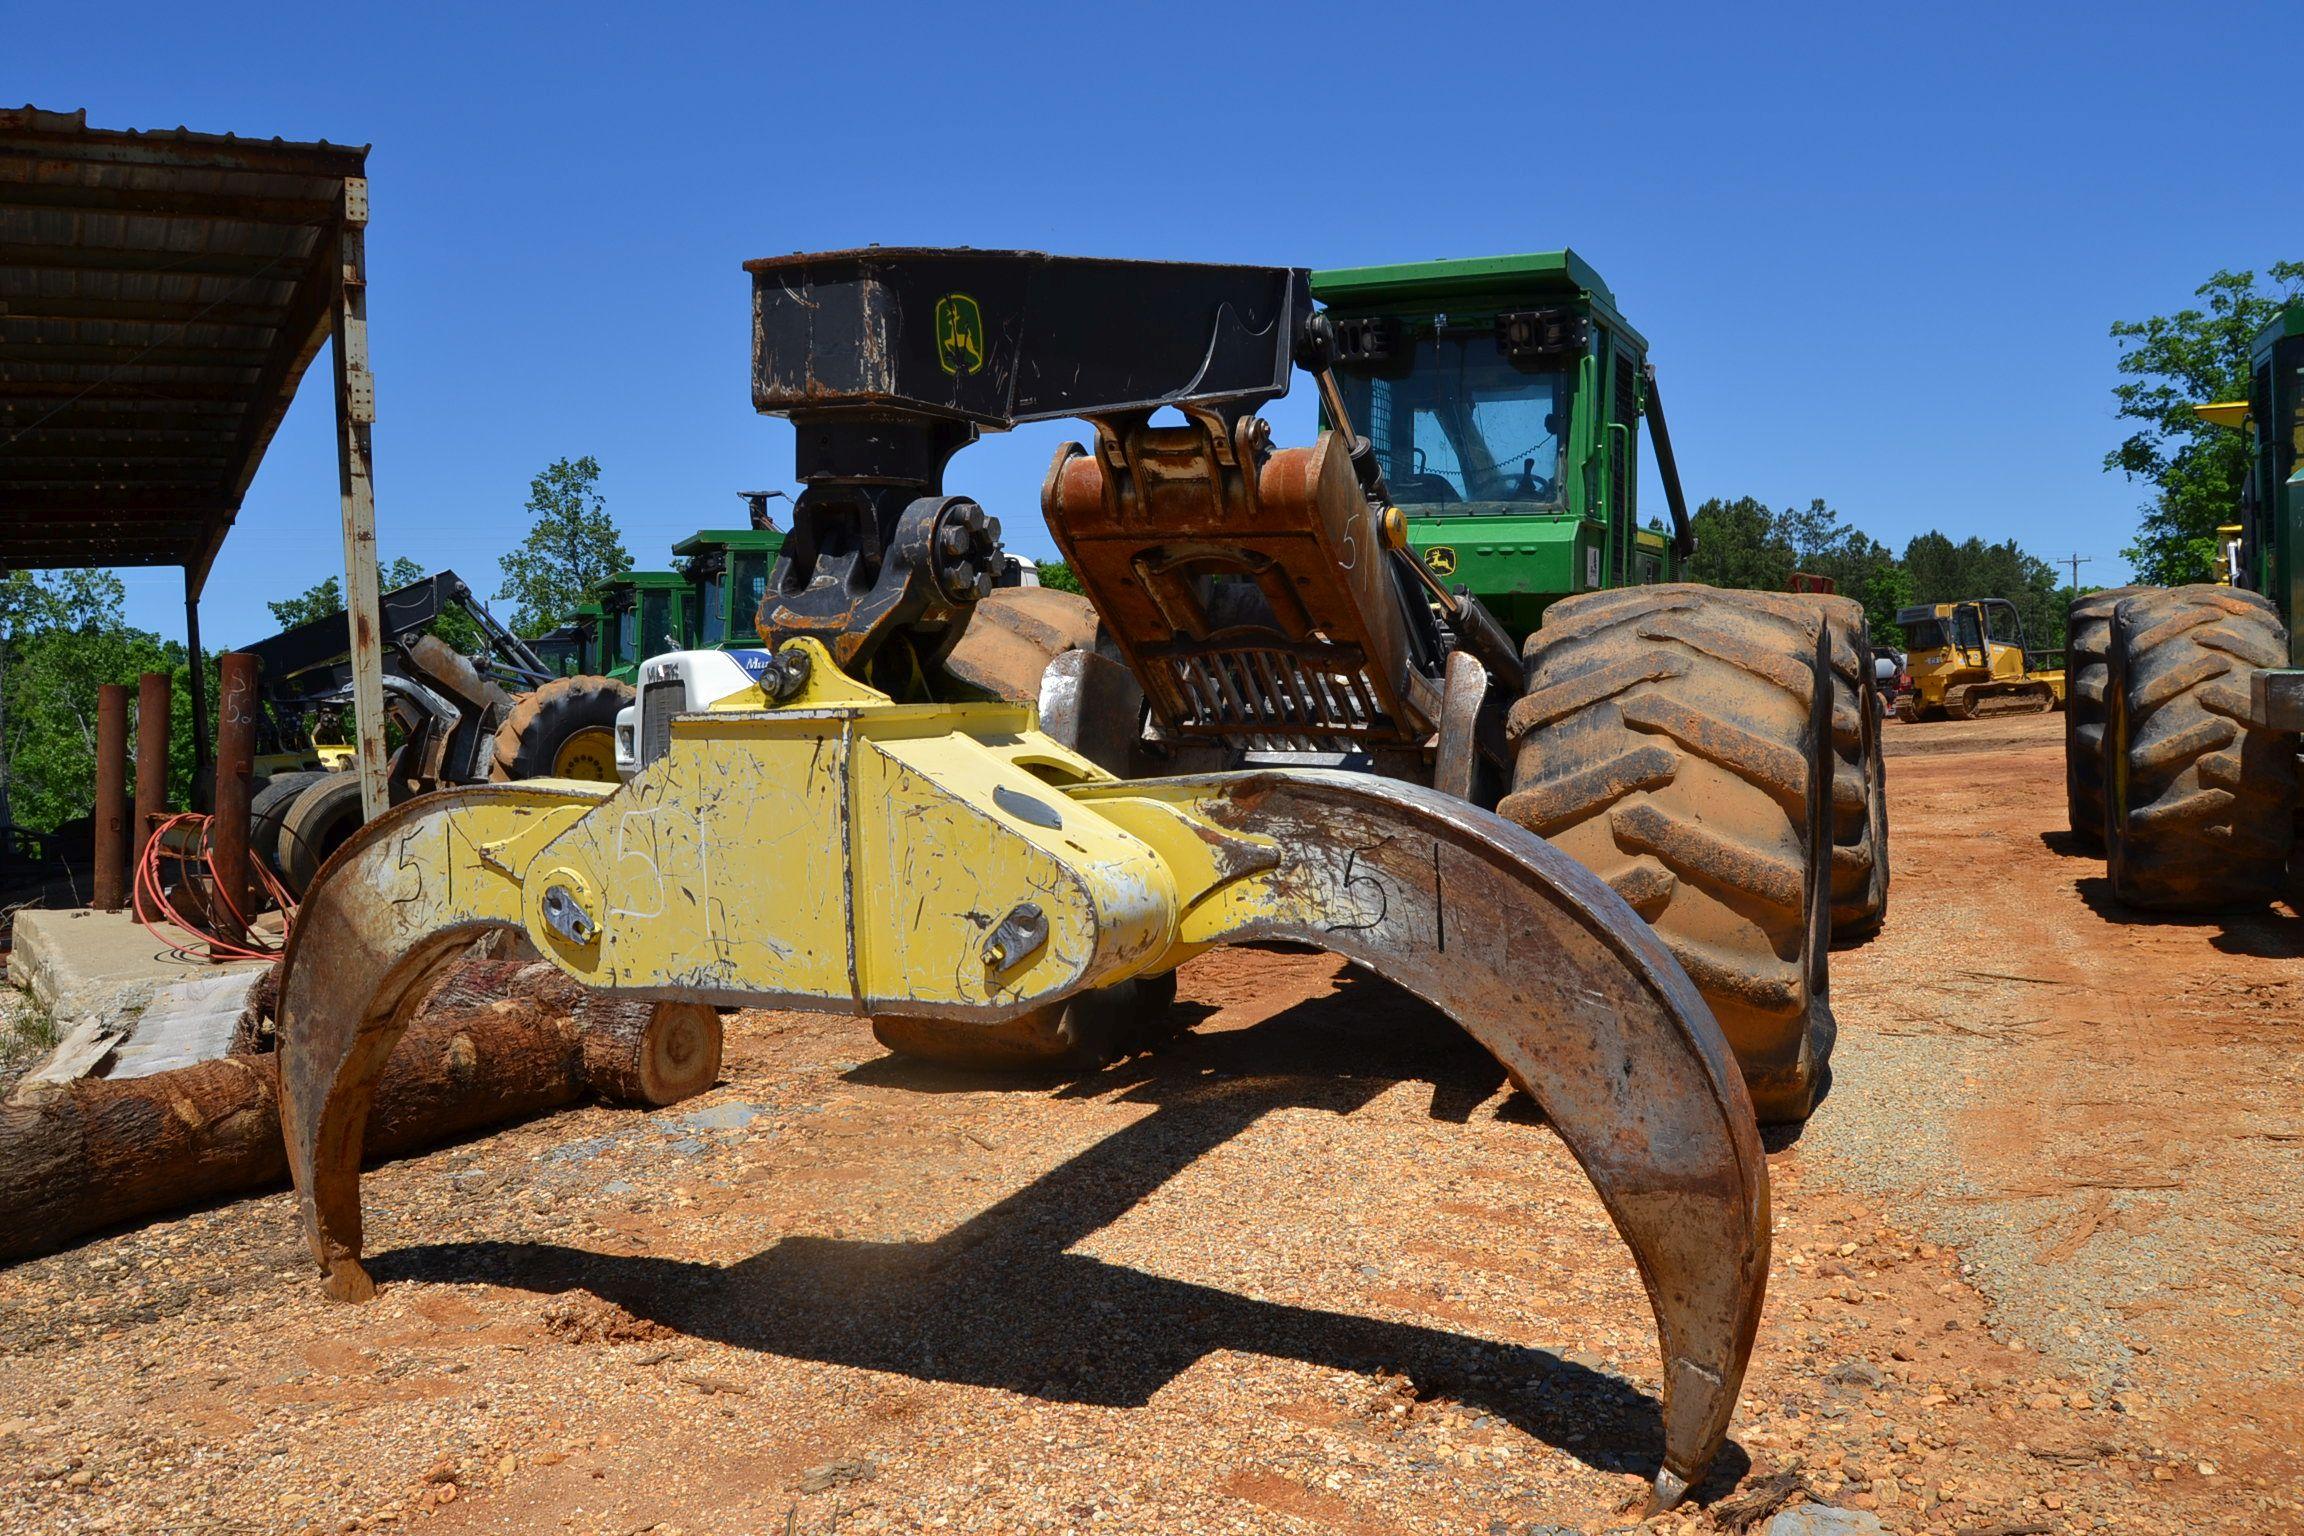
[[656, 623], [1463, 428]]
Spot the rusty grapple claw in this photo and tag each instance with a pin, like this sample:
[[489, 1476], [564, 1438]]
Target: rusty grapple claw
[[838, 851]]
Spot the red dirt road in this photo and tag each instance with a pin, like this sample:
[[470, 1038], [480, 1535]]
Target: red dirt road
[[1310, 1270]]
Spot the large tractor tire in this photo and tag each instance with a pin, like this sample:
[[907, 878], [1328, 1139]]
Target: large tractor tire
[[1675, 740], [322, 817], [1859, 774], [1012, 636], [564, 730], [2087, 638], [2199, 808], [268, 809]]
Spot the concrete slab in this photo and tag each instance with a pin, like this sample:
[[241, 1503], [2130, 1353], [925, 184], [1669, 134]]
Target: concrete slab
[[187, 1022], [82, 965]]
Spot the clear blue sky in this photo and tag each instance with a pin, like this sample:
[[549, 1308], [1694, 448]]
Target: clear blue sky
[[1875, 254]]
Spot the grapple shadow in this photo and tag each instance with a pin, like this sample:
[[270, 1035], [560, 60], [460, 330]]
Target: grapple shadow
[[1000, 1302]]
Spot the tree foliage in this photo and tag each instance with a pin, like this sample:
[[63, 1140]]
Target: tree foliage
[[1942, 571], [61, 636], [326, 597], [572, 546], [1744, 543], [2171, 363], [1058, 577], [1740, 544]]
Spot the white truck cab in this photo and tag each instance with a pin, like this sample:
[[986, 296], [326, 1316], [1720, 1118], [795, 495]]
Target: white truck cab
[[675, 683]]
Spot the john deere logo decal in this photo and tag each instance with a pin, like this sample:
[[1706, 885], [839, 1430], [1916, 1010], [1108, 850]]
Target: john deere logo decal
[[959, 334], [1440, 560]]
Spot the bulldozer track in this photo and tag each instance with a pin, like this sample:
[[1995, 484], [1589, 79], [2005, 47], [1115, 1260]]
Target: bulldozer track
[[2199, 808], [1985, 701]]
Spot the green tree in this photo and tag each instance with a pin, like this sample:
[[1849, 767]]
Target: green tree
[[2173, 362], [1941, 571], [1057, 576], [61, 636], [1739, 544], [326, 596], [572, 546], [1860, 566]]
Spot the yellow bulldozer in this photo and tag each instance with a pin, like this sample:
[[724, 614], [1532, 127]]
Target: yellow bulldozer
[[1968, 659]]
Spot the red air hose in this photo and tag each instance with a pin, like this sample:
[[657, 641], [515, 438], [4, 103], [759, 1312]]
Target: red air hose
[[152, 894]]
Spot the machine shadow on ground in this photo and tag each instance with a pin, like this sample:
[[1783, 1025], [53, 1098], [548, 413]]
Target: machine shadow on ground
[[2265, 933], [999, 1302]]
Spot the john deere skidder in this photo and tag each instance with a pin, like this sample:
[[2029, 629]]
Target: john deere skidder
[[851, 835], [2181, 725]]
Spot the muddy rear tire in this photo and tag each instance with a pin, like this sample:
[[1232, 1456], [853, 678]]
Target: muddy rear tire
[[2087, 637], [320, 820], [1675, 740], [2199, 808], [268, 808], [564, 730], [1859, 777]]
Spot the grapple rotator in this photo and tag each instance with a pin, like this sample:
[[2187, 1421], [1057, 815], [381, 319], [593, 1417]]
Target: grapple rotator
[[852, 836]]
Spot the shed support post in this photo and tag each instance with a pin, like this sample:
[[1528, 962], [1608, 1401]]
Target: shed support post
[[111, 797], [197, 674], [355, 418]]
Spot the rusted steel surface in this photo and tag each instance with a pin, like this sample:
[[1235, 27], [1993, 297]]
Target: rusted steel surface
[[235, 764], [111, 891], [351, 976], [161, 294], [1531, 954], [152, 706], [1152, 514], [1537, 959]]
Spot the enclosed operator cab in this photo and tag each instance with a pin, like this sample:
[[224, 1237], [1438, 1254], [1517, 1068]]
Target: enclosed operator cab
[[642, 613], [2269, 557], [727, 571], [1503, 396]]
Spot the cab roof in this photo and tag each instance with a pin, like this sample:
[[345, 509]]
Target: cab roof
[[767, 539], [1475, 283], [1561, 271]]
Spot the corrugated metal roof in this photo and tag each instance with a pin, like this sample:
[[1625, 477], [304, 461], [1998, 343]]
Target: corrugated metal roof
[[161, 294]]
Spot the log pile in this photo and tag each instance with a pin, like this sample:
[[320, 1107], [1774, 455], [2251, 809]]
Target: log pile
[[495, 1041]]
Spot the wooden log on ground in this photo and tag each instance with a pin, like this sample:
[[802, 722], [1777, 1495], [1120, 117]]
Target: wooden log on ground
[[495, 1041]]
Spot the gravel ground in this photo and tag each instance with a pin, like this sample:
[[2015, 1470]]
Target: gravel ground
[[1308, 1270]]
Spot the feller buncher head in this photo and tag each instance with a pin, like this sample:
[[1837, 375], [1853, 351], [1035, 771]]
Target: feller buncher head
[[821, 843]]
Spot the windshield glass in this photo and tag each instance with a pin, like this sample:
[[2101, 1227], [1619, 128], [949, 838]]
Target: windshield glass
[[656, 622], [627, 628], [1926, 635], [1465, 429], [715, 592], [751, 587]]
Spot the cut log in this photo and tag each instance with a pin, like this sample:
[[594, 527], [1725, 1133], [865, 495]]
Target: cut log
[[649, 1053], [496, 1041]]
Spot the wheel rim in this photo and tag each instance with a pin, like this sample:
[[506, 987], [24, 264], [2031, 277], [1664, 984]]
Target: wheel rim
[[588, 754]]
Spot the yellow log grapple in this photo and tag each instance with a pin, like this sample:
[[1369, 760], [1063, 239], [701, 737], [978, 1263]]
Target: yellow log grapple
[[850, 836]]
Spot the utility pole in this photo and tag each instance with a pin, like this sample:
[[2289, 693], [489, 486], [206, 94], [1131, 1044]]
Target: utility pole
[[2076, 561]]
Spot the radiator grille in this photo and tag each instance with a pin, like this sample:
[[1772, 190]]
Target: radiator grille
[[660, 700]]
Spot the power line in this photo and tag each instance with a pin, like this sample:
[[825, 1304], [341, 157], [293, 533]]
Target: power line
[[2076, 561]]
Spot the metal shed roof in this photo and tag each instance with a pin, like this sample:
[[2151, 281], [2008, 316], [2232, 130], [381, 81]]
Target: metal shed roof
[[160, 297]]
